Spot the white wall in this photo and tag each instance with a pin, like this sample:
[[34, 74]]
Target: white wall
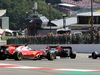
[[5, 22], [82, 48]]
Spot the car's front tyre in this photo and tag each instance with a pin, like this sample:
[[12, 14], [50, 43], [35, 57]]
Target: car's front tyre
[[95, 55], [50, 56]]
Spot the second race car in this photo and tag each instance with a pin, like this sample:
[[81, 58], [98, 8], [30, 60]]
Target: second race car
[[63, 51]]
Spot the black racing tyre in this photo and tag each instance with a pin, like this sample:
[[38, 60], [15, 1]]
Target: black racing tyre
[[63, 53], [50, 56], [73, 55], [3, 57], [94, 55], [54, 55], [18, 56]]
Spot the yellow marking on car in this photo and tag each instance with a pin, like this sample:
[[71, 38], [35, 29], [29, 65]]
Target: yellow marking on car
[[34, 54]]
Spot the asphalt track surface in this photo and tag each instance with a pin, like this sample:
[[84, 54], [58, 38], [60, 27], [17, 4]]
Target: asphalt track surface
[[82, 62]]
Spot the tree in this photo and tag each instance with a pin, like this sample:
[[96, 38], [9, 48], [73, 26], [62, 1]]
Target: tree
[[16, 11], [53, 1]]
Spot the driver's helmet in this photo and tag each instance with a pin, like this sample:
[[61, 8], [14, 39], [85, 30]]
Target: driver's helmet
[[48, 48], [26, 44]]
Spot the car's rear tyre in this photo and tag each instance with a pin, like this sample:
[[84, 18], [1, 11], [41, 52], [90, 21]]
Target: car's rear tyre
[[50, 56], [3, 57], [95, 55], [18, 56], [73, 55], [63, 53]]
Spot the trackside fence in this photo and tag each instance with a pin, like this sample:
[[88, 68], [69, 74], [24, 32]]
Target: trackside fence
[[57, 39]]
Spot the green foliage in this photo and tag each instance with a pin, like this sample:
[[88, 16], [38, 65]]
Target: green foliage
[[53, 1], [45, 10], [5, 38], [16, 11]]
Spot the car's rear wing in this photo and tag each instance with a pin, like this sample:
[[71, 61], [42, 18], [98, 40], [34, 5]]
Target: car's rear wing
[[66, 47], [62, 47], [53, 46], [3, 47]]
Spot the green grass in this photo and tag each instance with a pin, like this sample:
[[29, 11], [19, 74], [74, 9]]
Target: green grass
[[5, 38], [19, 36]]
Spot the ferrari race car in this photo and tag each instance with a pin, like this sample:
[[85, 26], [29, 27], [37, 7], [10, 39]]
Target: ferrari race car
[[63, 51], [94, 55], [19, 52]]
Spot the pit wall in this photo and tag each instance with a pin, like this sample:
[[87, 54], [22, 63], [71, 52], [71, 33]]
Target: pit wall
[[79, 48]]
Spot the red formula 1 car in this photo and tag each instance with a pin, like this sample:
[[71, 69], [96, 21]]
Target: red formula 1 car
[[63, 51], [19, 52]]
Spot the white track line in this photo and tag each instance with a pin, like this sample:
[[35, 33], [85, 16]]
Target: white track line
[[2, 65]]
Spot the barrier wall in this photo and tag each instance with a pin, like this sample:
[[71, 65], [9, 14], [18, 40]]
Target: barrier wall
[[81, 48]]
